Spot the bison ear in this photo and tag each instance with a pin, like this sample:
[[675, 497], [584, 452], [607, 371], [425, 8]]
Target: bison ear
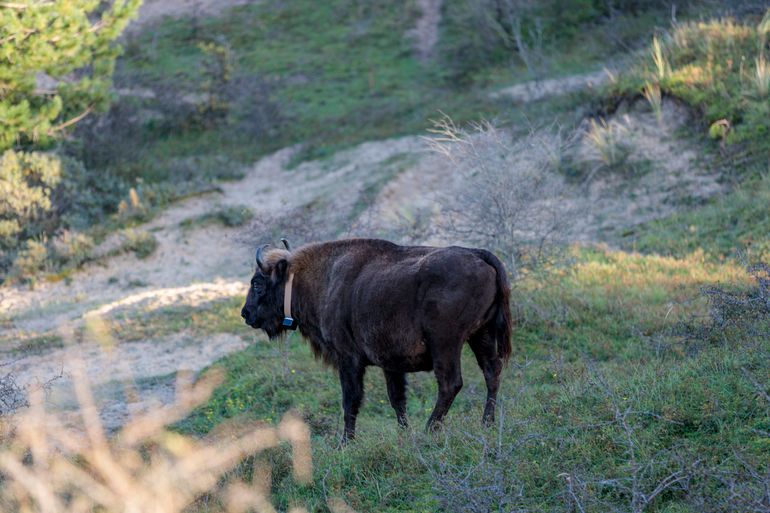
[[279, 271]]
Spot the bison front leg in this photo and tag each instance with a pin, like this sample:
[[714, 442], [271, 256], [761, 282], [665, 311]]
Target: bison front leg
[[450, 381], [396, 382], [352, 381]]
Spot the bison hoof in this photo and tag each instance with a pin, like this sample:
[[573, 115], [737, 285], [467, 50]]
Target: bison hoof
[[434, 426]]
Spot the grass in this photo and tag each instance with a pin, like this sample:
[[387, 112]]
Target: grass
[[210, 317], [606, 141], [230, 217], [35, 343], [325, 76], [726, 227], [300, 53], [718, 68], [593, 341], [761, 77]]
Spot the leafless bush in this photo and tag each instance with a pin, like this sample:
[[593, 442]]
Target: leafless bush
[[300, 225], [12, 396], [529, 49], [740, 486], [649, 475], [409, 226], [508, 196], [492, 484]]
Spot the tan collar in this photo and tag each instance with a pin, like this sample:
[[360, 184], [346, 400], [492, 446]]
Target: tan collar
[[288, 321]]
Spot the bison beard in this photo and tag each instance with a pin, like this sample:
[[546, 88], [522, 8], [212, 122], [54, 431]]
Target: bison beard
[[364, 302]]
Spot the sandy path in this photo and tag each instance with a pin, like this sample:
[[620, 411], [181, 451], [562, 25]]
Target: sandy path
[[535, 90], [191, 266], [424, 35], [203, 263]]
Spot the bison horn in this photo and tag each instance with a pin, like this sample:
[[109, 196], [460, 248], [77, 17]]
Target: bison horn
[[286, 244], [259, 256]]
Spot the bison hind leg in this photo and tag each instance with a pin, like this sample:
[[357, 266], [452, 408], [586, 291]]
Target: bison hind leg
[[484, 347], [396, 383], [446, 367]]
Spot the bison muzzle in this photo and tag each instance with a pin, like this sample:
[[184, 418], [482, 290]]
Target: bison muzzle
[[366, 302]]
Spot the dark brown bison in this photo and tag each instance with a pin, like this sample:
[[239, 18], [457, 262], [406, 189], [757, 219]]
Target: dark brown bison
[[363, 302]]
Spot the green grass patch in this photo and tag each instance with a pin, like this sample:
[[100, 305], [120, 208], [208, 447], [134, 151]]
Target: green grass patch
[[728, 226], [298, 56], [210, 317], [35, 343], [595, 369], [230, 217]]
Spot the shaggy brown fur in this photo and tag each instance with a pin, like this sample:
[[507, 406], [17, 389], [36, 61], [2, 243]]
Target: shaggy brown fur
[[367, 302]]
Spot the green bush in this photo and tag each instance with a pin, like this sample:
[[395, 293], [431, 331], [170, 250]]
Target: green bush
[[72, 248], [30, 260], [86, 196], [46, 197], [232, 216], [26, 183], [140, 242]]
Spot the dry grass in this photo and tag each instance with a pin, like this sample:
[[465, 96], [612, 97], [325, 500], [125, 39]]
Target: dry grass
[[52, 463], [662, 67], [761, 77], [606, 142], [652, 94]]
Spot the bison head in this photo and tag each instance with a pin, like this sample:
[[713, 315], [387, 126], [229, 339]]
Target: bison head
[[264, 301]]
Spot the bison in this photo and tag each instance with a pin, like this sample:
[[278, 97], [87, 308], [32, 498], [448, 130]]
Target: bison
[[364, 302]]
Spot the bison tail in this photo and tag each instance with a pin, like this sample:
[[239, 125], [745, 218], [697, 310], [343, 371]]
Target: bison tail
[[500, 326]]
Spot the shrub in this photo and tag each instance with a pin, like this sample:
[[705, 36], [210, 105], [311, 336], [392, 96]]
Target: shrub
[[132, 207], [140, 242], [510, 197], [736, 315], [43, 194], [26, 183], [85, 196], [72, 248], [48, 465], [30, 260], [217, 75], [234, 216], [12, 396]]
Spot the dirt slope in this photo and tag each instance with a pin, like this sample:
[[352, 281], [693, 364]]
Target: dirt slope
[[376, 188]]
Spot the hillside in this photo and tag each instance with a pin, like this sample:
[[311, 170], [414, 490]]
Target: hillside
[[628, 178]]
